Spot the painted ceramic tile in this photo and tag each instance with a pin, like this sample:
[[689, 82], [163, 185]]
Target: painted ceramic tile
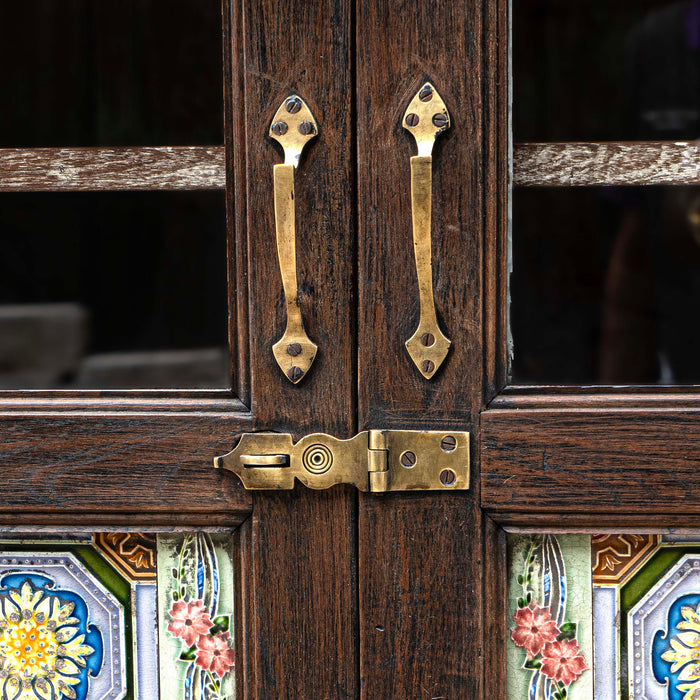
[[642, 597], [639, 630], [549, 599], [195, 596], [79, 617]]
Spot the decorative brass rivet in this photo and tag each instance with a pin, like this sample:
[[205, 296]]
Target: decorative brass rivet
[[294, 349], [317, 459], [293, 105], [295, 373], [447, 477], [412, 119], [408, 459], [306, 128], [279, 128], [440, 120], [428, 366], [426, 93], [427, 339], [448, 443]]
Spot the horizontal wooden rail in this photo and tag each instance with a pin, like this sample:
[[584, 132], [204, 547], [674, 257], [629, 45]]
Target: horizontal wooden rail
[[619, 163], [91, 169]]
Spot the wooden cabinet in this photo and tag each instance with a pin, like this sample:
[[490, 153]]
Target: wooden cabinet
[[341, 594]]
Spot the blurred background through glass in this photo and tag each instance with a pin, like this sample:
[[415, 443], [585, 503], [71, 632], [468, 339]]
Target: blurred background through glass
[[606, 280]]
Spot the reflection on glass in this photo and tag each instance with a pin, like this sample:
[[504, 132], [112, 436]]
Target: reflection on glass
[[606, 70], [606, 285], [113, 290], [111, 73]]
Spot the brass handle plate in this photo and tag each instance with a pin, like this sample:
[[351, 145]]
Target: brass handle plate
[[426, 118], [376, 461], [293, 127]]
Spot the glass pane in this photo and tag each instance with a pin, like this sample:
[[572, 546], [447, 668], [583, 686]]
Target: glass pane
[[601, 70], [606, 285], [603, 617], [77, 616], [111, 73], [113, 290]]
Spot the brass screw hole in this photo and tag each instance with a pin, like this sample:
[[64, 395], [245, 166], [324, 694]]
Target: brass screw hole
[[295, 373], [448, 443], [412, 119], [428, 339], [293, 105], [279, 128], [426, 94], [447, 477], [408, 459]]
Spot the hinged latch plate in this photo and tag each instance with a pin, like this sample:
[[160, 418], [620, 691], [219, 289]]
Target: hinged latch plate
[[374, 460]]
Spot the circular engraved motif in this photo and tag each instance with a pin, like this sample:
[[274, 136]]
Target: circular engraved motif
[[317, 459]]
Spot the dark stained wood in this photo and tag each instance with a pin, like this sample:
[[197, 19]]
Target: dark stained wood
[[604, 461], [621, 163], [236, 231], [143, 402], [597, 523], [92, 169], [496, 194], [302, 606], [421, 594], [244, 606], [300, 586], [129, 469], [495, 607], [399, 47], [620, 398], [420, 574]]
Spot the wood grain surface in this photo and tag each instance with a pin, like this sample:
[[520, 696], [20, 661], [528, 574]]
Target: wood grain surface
[[581, 397], [392, 64], [299, 554], [420, 587], [92, 169], [495, 611], [621, 163], [607, 462], [497, 169], [420, 554], [83, 469]]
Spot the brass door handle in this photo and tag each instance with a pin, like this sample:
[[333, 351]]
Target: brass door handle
[[426, 118], [293, 127]]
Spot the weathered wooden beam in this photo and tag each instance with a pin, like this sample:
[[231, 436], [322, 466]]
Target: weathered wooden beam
[[89, 169], [618, 163]]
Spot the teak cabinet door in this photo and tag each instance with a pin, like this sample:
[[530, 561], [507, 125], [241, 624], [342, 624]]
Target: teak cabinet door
[[338, 594]]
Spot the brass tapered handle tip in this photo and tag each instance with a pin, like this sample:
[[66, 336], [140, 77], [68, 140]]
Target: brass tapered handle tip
[[428, 347], [294, 354]]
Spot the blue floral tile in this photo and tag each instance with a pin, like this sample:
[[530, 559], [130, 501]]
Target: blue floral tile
[[78, 614]]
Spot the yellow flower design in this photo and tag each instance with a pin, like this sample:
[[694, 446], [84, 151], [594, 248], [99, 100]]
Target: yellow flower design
[[41, 652], [685, 653]]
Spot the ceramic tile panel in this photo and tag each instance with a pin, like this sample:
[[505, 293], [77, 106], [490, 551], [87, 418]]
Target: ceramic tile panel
[[112, 616], [604, 617], [549, 603], [195, 607]]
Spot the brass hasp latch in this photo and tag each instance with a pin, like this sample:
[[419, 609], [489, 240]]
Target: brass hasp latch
[[374, 460]]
